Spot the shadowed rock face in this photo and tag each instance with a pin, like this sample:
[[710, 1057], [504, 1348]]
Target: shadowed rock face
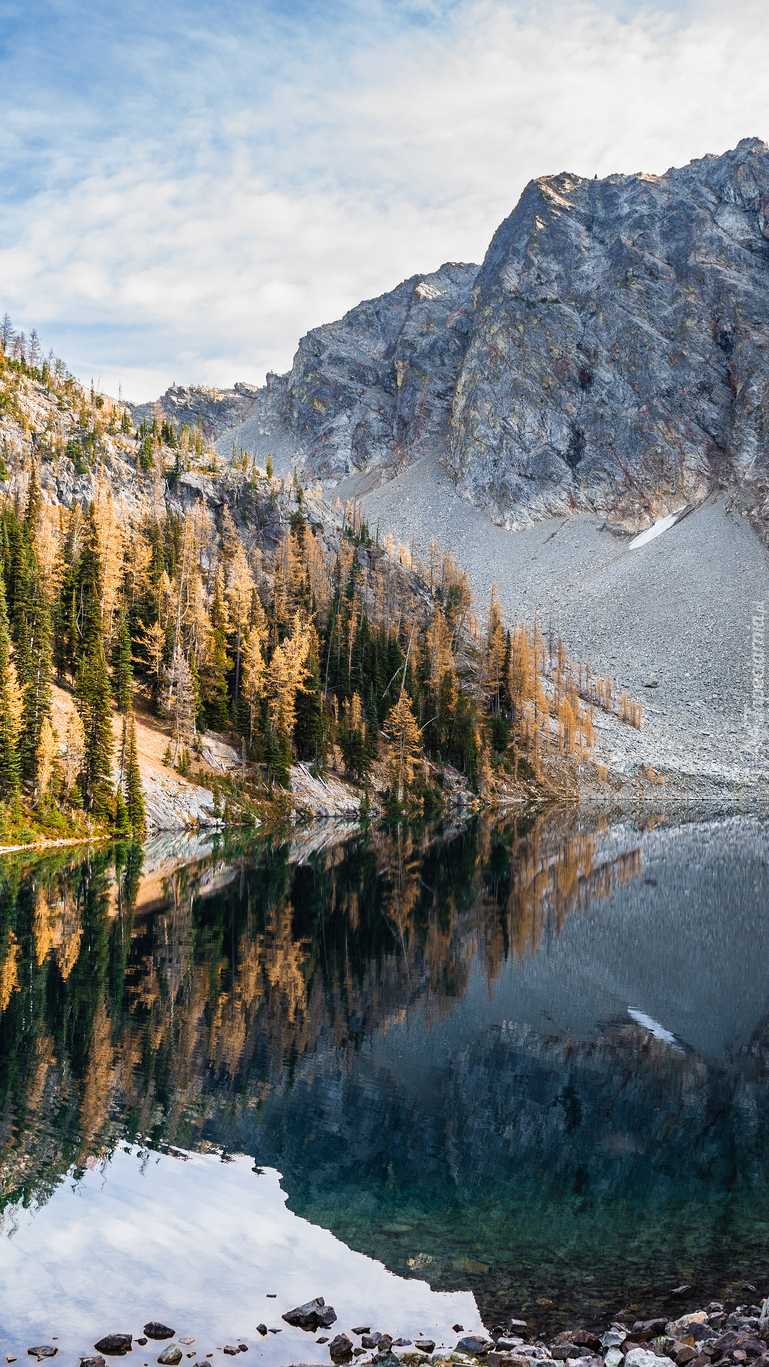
[[618, 360], [375, 388]]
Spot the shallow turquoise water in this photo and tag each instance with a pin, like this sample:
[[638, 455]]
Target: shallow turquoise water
[[527, 1066]]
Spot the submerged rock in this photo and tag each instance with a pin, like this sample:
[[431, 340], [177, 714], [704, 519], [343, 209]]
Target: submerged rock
[[43, 1350]]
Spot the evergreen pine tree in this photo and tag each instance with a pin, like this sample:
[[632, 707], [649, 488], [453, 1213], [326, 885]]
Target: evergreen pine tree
[[9, 759], [36, 684], [93, 695], [93, 700], [309, 729], [133, 784], [122, 672], [122, 825]]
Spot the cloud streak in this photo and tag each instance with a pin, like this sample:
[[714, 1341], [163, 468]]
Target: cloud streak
[[214, 191]]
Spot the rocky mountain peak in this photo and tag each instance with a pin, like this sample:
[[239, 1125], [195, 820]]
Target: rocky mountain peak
[[618, 355]]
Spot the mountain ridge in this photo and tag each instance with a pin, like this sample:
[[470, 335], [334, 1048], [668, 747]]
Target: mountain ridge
[[609, 356]]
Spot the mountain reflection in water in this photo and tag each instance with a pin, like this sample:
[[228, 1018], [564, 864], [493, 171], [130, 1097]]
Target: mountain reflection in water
[[529, 1060]]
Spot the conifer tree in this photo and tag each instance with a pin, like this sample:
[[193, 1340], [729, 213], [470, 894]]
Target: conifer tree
[[93, 695], [134, 797], [122, 672], [216, 666], [36, 685], [9, 759], [93, 700], [406, 745]]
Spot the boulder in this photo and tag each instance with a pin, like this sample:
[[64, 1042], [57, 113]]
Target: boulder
[[681, 1328], [340, 1347], [156, 1330], [477, 1345], [171, 1355], [641, 1357], [648, 1329], [114, 1345], [312, 1315]]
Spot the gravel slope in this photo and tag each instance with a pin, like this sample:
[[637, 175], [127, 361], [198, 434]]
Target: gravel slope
[[676, 611]]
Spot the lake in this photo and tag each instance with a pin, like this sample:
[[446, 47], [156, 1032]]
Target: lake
[[457, 1076]]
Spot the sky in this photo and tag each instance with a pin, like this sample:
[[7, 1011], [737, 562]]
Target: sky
[[188, 188]]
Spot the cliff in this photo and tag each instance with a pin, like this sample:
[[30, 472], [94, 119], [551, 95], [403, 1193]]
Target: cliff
[[618, 356], [608, 357]]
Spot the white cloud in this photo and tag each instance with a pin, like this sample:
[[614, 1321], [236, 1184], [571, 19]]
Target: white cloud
[[202, 249]]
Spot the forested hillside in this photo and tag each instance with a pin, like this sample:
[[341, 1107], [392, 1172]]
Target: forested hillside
[[140, 575]]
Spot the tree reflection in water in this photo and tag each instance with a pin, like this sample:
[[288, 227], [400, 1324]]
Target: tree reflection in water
[[338, 1014]]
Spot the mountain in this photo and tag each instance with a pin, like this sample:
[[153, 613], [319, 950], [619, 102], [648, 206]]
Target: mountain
[[618, 356], [609, 356]]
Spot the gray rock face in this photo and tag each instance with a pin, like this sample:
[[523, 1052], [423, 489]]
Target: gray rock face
[[618, 360], [611, 355], [215, 410], [374, 390]]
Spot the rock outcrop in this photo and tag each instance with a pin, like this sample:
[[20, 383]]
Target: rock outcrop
[[375, 389], [618, 361], [200, 406]]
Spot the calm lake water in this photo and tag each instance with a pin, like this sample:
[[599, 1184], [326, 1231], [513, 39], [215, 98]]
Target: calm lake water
[[447, 1077]]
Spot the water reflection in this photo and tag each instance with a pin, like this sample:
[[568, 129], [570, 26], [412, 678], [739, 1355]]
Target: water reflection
[[530, 1060]]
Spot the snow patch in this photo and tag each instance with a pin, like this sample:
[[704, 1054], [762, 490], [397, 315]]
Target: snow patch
[[654, 1026], [656, 529]]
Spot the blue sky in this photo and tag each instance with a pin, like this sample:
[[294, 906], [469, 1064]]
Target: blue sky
[[189, 188]]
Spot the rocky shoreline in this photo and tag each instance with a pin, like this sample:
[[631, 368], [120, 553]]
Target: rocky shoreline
[[712, 1337]]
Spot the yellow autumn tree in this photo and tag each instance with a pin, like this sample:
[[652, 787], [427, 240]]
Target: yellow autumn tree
[[46, 754], [253, 673], [286, 673], [406, 745]]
